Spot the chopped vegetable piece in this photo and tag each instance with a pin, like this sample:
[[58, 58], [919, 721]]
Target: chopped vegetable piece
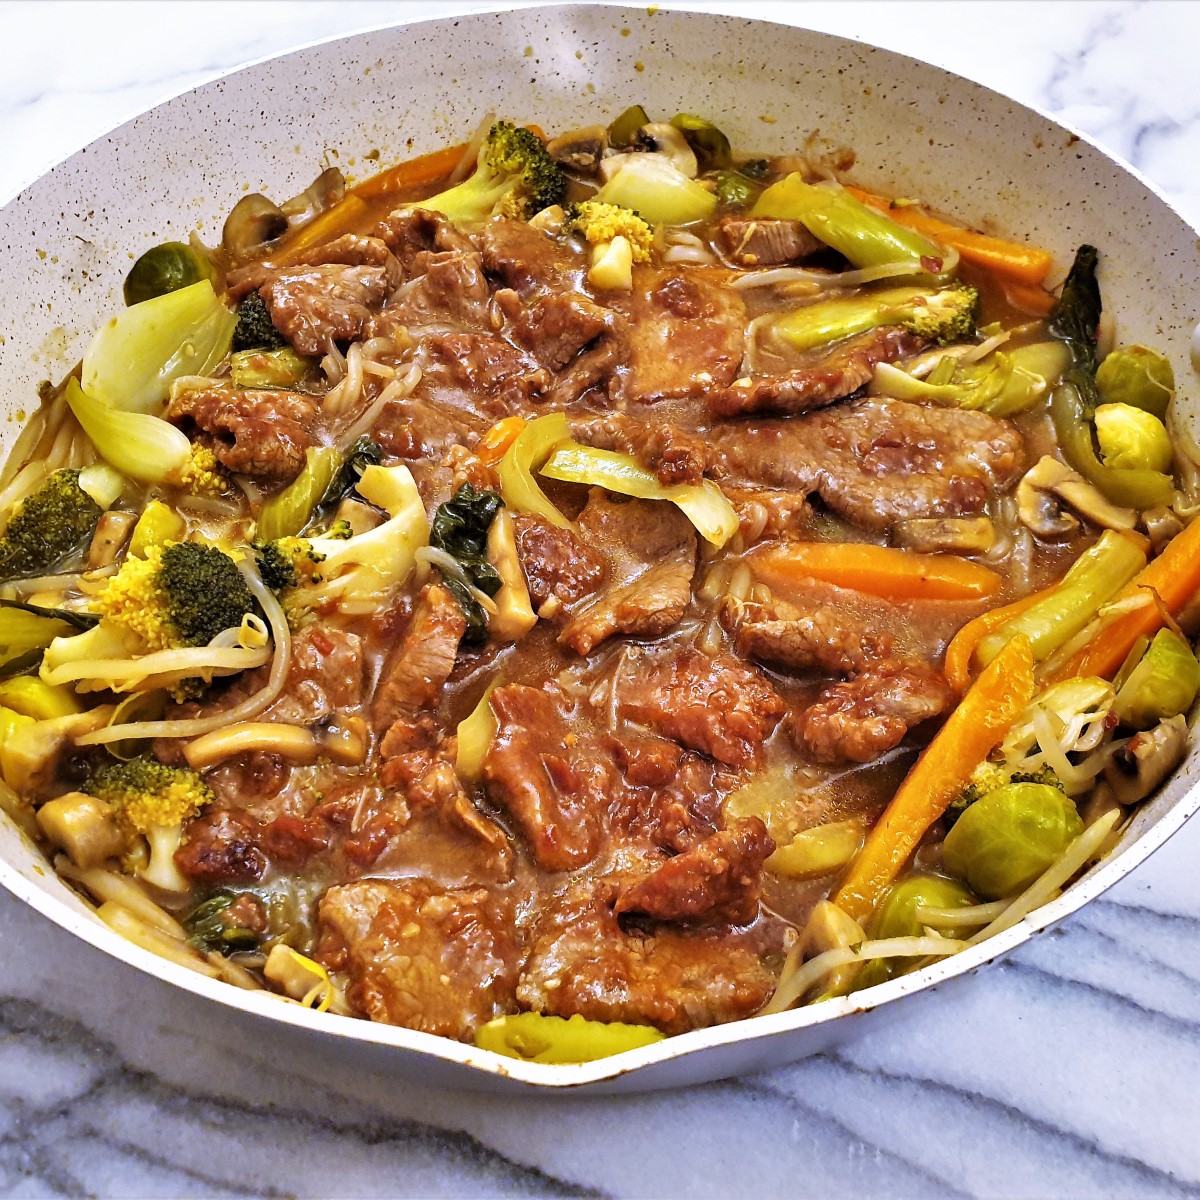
[[879, 570], [208, 928], [27, 629], [428, 168], [495, 443], [158, 525], [1138, 376], [866, 237], [710, 145], [1094, 577], [132, 361], [704, 504], [1014, 260], [46, 527], [474, 736], [535, 1037], [32, 697], [460, 528], [818, 851], [165, 268], [290, 510], [624, 128], [280, 368], [528, 453], [658, 191], [1163, 684], [1005, 840], [984, 715], [961, 651], [1132, 439]]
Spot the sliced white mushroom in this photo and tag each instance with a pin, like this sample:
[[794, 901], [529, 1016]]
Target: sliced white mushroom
[[952, 535], [580, 149], [1162, 525], [255, 220], [1047, 483], [830, 928], [324, 192], [661, 138], [1146, 760]]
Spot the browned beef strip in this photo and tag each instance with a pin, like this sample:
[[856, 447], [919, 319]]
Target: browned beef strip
[[652, 549], [325, 677], [492, 373], [221, 846], [583, 962], [821, 638], [256, 432], [671, 798], [766, 241], [412, 231], [861, 718], [877, 461], [838, 374], [551, 781], [685, 336], [416, 670], [443, 289], [673, 454], [767, 512], [331, 295], [440, 960], [717, 881], [556, 563], [524, 258], [720, 706]]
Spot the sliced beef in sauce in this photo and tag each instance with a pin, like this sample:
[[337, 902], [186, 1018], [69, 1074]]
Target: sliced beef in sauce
[[652, 549], [487, 370], [673, 454], [559, 568], [766, 241], [415, 672], [409, 232], [523, 258], [820, 638], [768, 512], [221, 846], [445, 289], [583, 962], [878, 461], [256, 432], [325, 677], [686, 336], [721, 706], [547, 776], [440, 960], [332, 295], [717, 881], [838, 374], [859, 719]]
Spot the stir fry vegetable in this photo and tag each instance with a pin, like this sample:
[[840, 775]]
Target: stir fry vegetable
[[536, 1037]]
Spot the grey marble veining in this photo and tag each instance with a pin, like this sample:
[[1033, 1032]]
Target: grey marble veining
[[1071, 1069]]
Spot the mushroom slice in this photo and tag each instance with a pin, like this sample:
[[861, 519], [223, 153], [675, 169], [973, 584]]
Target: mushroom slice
[[324, 192], [829, 928], [661, 138], [580, 149], [1146, 760], [951, 535], [1047, 483], [255, 220]]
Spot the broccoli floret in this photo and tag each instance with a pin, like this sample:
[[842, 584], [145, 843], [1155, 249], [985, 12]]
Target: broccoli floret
[[514, 176], [182, 594], [599, 222], [202, 474], [52, 523], [148, 794], [987, 777], [1044, 775], [288, 561], [254, 329], [939, 316]]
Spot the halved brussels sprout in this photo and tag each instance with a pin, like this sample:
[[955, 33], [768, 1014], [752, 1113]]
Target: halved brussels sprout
[[1163, 684], [708, 143], [1131, 438], [1006, 839], [165, 268], [1139, 376], [624, 128]]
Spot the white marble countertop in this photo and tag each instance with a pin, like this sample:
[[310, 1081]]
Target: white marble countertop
[[1071, 1069]]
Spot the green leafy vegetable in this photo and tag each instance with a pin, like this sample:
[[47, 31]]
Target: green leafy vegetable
[[281, 368], [655, 188], [290, 510], [1005, 840], [208, 928], [254, 329], [363, 454], [460, 527], [27, 629], [132, 361], [536, 1037]]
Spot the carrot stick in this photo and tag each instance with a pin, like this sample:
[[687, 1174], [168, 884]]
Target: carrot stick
[[1174, 575], [427, 169], [1027, 264], [1028, 298], [962, 646], [496, 441], [984, 715], [880, 570]]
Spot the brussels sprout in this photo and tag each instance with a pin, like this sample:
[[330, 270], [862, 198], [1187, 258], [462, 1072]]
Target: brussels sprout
[[165, 268], [624, 128], [1163, 684], [1131, 438], [1138, 376], [1005, 840], [708, 143]]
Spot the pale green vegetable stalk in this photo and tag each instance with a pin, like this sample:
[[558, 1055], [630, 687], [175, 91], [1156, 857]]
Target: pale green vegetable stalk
[[144, 447], [704, 504], [530, 449], [288, 511], [1097, 575], [658, 192], [136, 355]]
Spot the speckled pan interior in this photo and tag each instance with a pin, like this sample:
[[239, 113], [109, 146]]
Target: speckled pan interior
[[67, 240]]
